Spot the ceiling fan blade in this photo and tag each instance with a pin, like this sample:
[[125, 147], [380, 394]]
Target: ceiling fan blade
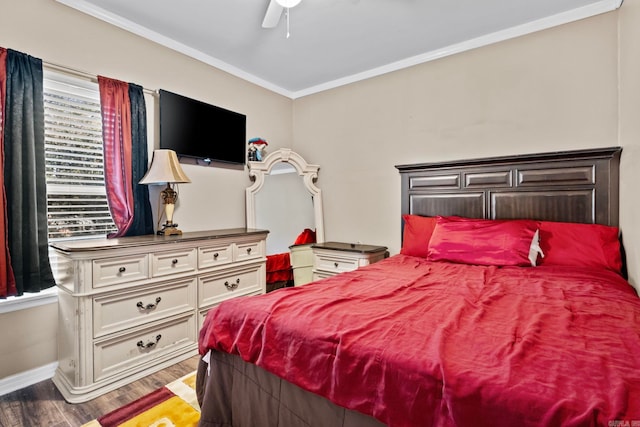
[[271, 18]]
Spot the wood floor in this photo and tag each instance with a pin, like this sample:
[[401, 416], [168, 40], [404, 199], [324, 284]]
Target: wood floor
[[42, 404]]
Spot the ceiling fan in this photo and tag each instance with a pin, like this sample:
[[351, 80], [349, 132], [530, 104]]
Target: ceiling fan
[[274, 11]]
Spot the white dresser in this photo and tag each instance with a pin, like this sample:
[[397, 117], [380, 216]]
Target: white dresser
[[331, 258], [134, 305]]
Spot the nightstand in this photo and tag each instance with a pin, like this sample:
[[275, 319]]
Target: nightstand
[[331, 258]]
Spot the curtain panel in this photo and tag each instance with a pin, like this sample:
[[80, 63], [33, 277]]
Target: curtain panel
[[124, 133], [24, 173], [7, 279], [142, 216], [116, 133]]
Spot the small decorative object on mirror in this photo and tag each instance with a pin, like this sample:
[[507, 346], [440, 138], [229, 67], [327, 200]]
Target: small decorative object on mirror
[[256, 149]]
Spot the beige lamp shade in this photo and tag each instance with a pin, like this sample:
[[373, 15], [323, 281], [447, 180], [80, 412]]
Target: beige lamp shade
[[165, 168]]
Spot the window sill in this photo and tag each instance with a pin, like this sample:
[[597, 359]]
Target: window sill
[[29, 300]]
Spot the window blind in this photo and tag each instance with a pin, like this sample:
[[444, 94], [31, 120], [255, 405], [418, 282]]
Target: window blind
[[76, 197]]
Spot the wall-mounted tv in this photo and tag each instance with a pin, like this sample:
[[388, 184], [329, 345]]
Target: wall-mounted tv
[[201, 131]]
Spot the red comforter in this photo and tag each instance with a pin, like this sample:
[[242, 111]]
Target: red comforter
[[415, 343]]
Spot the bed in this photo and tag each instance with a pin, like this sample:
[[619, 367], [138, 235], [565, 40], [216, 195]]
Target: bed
[[460, 328]]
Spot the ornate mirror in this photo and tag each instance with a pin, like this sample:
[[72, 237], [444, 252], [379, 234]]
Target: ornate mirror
[[284, 199]]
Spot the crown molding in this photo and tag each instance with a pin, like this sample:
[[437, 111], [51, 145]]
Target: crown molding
[[132, 27], [499, 36], [573, 15]]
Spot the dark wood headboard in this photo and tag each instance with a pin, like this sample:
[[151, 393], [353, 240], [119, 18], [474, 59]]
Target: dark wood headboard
[[570, 186]]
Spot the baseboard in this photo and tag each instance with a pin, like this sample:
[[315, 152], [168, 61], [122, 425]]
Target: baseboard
[[25, 379]]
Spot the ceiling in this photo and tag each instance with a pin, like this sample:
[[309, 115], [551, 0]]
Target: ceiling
[[332, 42]]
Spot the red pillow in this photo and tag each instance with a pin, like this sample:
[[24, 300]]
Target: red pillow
[[482, 241], [416, 234], [580, 245], [307, 236]]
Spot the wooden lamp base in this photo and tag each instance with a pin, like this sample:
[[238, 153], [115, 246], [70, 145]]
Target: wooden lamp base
[[169, 230]]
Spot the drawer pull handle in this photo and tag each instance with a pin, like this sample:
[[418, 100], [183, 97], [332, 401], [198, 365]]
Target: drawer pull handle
[[335, 264], [149, 344], [216, 255], [174, 261], [122, 269], [232, 286], [149, 306], [249, 250]]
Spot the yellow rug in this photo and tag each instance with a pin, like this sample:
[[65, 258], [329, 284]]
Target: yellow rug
[[172, 405]]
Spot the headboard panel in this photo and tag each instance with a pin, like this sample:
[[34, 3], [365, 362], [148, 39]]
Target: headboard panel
[[570, 186]]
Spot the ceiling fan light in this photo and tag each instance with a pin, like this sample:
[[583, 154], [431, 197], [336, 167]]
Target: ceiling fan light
[[288, 3]]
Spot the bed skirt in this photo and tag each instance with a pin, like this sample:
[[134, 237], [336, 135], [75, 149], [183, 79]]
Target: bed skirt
[[239, 394]]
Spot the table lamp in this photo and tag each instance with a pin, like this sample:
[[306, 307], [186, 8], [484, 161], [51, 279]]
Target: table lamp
[[165, 169]]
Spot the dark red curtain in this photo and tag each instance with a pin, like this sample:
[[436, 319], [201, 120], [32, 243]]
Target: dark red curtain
[[7, 279], [116, 133]]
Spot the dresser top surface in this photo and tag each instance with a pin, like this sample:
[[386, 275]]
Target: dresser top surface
[[349, 247], [102, 243]]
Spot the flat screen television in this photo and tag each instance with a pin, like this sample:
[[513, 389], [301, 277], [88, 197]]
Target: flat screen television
[[201, 131]]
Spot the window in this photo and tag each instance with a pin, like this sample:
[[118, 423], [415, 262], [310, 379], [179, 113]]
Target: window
[[76, 196]]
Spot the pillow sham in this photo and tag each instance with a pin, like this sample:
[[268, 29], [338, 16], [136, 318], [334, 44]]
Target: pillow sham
[[416, 234], [580, 245], [484, 241]]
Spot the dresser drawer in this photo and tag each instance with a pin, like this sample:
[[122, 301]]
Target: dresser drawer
[[125, 310], [331, 258], [317, 275], [203, 313], [214, 255], [252, 250], [335, 264], [172, 262], [122, 269], [148, 345], [215, 288]]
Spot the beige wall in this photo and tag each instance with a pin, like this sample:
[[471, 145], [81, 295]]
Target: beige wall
[[553, 90], [629, 123], [28, 339]]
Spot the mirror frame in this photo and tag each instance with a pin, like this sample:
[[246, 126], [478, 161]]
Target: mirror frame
[[309, 173]]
